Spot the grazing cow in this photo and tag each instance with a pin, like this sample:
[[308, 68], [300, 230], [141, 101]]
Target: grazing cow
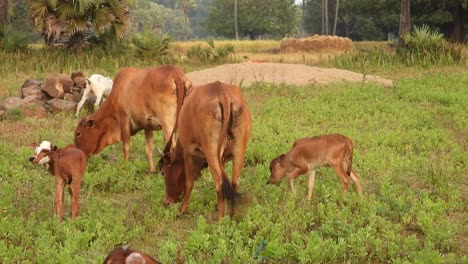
[[307, 154], [141, 99], [68, 166], [125, 255], [213, 127], [98, 85]]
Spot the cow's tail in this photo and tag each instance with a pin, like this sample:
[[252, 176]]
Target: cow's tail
[[226, 106], [349, 158]]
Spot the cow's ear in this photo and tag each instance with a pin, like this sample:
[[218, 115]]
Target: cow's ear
[[90, 123], [53, 148], [33, 145], [281, 156]]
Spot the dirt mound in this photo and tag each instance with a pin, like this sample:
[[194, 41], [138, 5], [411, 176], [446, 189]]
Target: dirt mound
[[316, 43], [297, 74]]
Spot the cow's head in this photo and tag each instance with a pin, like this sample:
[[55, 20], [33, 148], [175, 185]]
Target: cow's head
[[91, 136], [173, 170], [277, 170], [41, 152]]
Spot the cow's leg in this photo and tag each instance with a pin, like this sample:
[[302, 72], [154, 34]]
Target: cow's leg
[[98, 100], [58, 200], [344, 177], [355, 178], [83, 99], [126, 140], [310, 185], [217, 174], [238, 162], [74, 189], [149, 149], [300, 169], [189, 180]]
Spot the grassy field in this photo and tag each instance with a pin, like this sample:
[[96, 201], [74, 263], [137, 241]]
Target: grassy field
[[411, 150]]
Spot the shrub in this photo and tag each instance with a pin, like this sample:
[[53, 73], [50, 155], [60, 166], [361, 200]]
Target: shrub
[[428, 47], [13, 40], [211, 53], [149, 45]]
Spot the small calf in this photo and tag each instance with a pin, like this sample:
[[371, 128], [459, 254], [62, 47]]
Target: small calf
[[98, 85], [125, 255], [307, 154], [67, 165]]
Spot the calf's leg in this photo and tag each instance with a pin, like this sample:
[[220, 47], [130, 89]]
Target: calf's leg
[[58, 200], [310, 184], [149, 149], [74, 190]]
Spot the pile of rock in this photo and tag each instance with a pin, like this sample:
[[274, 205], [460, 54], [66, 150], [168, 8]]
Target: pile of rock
[[59, 93]]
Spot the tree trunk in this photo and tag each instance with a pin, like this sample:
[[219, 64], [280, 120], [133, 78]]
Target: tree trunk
[[326, 17], [323, 16], [185, 23], [336, 16], [458, 28], [3, 12], [235, 20], [405, 26]]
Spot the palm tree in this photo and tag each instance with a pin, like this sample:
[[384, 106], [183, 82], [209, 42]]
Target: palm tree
[[56, 18], [186, 6]]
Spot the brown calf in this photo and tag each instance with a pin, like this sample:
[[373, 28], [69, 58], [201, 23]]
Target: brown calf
[[67, 165], [307, 154], [125, 255], [213, 127]]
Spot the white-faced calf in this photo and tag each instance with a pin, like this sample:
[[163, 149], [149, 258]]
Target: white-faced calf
[[307, 154], [67, 165], [125, 255]]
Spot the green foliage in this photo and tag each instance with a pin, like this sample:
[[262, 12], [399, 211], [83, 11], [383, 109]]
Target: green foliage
[[150, 46], [274, 18], [427, 47], [211, 54], [13, 40]]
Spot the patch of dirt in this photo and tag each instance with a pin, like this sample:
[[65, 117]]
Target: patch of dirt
[[298, 74]]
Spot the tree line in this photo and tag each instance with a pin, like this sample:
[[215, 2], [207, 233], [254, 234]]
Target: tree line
[[80, 20]]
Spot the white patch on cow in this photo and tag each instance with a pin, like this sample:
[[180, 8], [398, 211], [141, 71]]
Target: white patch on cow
[[135, 258], [44, 145]]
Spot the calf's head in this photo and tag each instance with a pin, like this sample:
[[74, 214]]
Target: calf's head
[[277, 170], [41, 152], [173, 171]]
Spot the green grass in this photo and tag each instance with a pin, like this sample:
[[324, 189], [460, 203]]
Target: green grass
[[410, 150]]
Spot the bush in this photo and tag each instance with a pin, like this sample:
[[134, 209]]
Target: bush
[[211, 53], [149, 45], [428, 47], [13, 40]]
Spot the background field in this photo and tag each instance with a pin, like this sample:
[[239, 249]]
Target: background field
[[410, 150]]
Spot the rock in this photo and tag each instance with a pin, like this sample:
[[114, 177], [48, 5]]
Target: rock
[[59, 105], [66, 81], [53, 88], [76, 74], [32, 82], [31, 98], [34, 110], [69, 97], [11, 103], [80, 82], [31, 90]]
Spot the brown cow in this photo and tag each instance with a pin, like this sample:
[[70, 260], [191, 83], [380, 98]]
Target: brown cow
[[68, 166], [141, 99], [125, 255], [307, 154], [213, 127]]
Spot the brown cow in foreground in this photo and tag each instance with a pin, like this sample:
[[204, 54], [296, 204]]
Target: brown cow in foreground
[[307, 154], [125, 255], [213, 127], [141, 99], [68, 166]]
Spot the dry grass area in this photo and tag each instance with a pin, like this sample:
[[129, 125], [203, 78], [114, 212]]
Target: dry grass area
[[316, 43]]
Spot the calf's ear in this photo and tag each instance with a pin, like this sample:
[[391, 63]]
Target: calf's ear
[[33, 145], [53, 148]]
